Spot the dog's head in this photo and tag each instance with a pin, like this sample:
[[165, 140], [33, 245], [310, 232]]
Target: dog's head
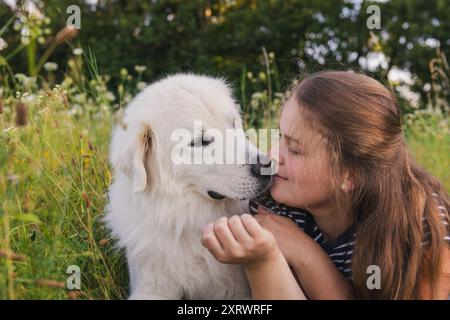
[[184, 134]]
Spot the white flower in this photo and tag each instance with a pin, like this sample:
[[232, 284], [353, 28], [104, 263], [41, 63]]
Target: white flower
[[17, 26], [67, 82], [141, 85], [30, 98], [256, 95], [140, 69], [79, 98], [123, 72], [50, 66], [75, 110], [3, 44], [25, 40], [110, 96], [127, 98], [254, 103], [21, 77], [8, 129], [77, 51], [262, 76]]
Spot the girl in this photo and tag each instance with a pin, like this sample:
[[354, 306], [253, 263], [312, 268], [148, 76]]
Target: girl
[[348, 204]]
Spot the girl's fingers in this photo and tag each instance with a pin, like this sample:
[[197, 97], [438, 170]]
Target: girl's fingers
[[210, 241], [238, 230], [251, 225], [224, 234], [263, 210], [260, 218]]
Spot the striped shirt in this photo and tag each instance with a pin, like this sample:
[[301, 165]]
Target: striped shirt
[[339, 250]]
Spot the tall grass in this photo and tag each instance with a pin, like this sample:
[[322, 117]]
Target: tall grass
[[53, 182]]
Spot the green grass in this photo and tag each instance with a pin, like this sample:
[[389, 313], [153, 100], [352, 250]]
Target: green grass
[[428, 136], [53, 182]]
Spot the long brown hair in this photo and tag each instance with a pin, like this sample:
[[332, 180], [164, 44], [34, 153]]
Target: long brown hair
[[392, 202]]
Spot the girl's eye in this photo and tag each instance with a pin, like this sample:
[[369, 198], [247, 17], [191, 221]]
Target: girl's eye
[[293, 152]]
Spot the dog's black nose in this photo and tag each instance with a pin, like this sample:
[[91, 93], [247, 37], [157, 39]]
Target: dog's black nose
[[261, 169]]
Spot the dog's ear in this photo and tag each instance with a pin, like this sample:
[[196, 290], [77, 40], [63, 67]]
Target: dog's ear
[[133, 155]]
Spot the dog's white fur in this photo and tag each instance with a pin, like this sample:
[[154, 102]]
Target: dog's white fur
[[157, 210]]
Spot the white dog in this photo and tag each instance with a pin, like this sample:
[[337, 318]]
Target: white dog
[[158, 209]]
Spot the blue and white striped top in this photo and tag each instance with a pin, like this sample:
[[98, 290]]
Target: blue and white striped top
[[340, 250]]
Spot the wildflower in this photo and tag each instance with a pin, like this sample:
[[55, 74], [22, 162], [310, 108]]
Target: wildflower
[[262, 76], [21, 114], [41, 40], [50, 66], [30, 98], [141, 85], [77, 51], [110, 96], [256, 95], [75, 110], [3, 44], [17, 26], [8, 129], [21, 77], [67, 82], [140, 69], [25, 40], [123, 72], [249, 75], [79, 98], [71, 64], [127, 98]]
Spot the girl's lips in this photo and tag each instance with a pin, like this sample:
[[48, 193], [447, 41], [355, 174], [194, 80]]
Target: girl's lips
[[277, 177]]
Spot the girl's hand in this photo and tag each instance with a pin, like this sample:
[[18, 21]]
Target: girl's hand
[[288, 235], [239, 240]]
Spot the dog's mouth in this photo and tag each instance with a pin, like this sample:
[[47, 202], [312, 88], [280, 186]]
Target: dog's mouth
[[216, 196]]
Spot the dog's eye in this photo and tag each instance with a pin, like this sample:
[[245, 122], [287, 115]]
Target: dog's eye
[[202, 141]]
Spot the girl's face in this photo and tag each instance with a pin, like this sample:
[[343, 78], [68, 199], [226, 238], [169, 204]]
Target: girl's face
[[304, 174]]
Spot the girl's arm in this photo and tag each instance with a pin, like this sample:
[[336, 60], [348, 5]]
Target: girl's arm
[[241, 240], [273, 280], [317, 274]]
